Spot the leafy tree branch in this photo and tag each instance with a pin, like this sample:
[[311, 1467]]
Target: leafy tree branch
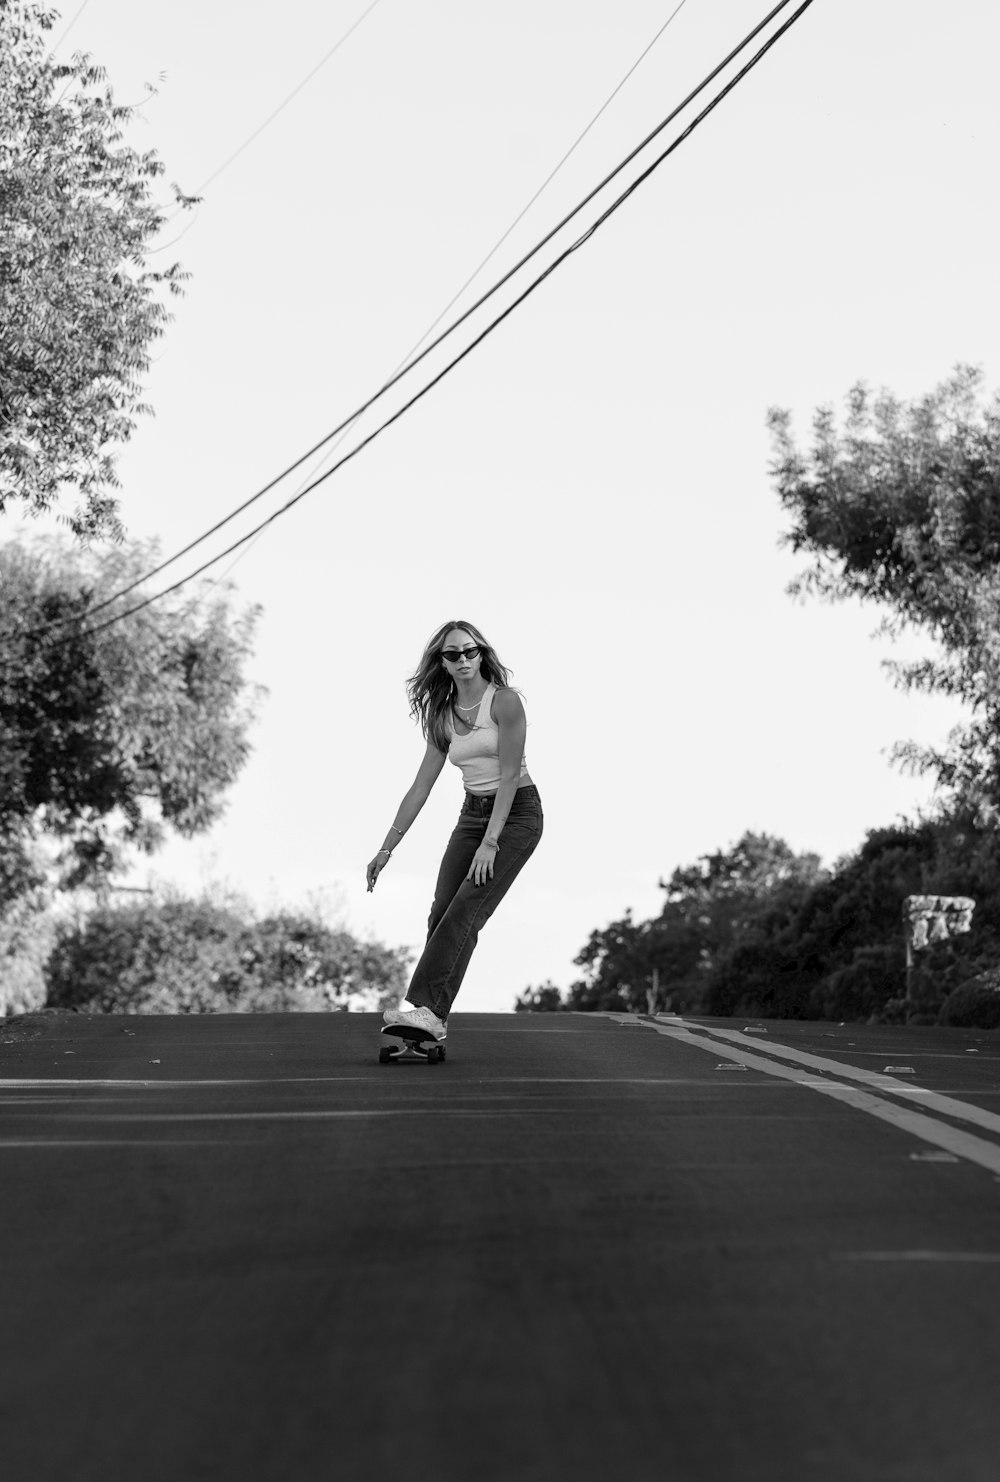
[[900, 506], [80, 306], [110, 738]]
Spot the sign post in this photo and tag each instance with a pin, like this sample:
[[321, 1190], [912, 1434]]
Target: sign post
[[931, 918]]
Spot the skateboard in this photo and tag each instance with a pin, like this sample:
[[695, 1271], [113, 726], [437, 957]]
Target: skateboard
[[417, 1045]]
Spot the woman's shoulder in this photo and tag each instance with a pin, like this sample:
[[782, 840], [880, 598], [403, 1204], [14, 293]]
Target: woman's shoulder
[[506, 702]]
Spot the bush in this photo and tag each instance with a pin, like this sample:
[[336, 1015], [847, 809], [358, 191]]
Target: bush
[[295, 962], [752, 978], [975, 1004], [175, 956], [864, 986], [181, 956], [26, 935], [544, 1000]]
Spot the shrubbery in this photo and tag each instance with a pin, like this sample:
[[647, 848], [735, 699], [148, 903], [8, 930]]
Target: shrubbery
[[975, 1004], [26, 936], [863, 986], [543, 1000], [176, 955]]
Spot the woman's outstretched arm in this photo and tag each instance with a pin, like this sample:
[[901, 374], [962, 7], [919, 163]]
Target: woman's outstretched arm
[[415, 798]]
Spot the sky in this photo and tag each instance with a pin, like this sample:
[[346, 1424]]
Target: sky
[[590, 486]]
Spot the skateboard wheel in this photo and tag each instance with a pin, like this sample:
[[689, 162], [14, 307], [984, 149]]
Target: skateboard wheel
[[384, 1055], [433, 1055], [441, 1054]]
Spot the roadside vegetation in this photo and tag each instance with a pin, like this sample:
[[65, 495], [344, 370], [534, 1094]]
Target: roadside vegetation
[[172, 954], [897, 507], [756, 930]]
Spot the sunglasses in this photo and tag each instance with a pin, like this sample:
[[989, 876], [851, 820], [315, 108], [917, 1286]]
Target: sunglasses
[[453, 655]]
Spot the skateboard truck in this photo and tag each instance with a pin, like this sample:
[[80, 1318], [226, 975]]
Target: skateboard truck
[[417, 1045]]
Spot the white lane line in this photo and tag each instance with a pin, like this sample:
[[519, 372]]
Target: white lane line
[[114, 1142], [947, 1106], [375, 1077], [948, 1257], [312, 1116], [939, 1134], [156, 1083]]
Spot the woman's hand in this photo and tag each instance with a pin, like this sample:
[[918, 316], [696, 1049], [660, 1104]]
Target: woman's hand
[[376, 867], [481, 868]]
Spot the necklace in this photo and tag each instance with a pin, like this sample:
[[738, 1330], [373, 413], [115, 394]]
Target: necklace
[[466, 719], [470, 707]]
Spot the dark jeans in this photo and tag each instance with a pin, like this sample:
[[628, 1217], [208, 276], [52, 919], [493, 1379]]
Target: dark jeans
[[460, 907]]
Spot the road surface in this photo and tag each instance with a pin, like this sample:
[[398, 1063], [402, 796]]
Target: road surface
[[585, 1247]]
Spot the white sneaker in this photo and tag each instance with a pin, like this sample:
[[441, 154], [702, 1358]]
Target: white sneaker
[[418, 1019]]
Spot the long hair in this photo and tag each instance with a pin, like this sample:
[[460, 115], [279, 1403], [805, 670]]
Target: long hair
[[432, 691]]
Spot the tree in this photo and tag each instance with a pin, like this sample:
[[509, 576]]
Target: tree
[[79, 305], [640, 966], [830, 947], [543, 1000], [723, 891], [617, 968], [901, 507], [834, 949], [295, 961], [110, 736], [710, 907]]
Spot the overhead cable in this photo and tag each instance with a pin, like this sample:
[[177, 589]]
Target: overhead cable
[[548, 180], [407, 368], [499, 319], [138, 607], [285, 102], [500, 241], [56, 45]]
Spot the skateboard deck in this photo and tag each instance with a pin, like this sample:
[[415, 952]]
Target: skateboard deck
[[417, 1045]]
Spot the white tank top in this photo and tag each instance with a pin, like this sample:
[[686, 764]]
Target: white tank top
[[478, 753]]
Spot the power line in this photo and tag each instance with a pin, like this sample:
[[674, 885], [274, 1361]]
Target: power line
[[609, 211], [548, 179], [456, 324], [72, 23], [343, 431], [566, 253], [518, 218], [195, 195], [225, 165], [285, 101], [293, 94]]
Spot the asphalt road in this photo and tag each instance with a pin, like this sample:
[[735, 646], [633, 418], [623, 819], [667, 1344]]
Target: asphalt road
[[240, 1248]]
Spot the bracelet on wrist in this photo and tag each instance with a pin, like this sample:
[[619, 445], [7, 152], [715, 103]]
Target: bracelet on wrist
[[491, 843]]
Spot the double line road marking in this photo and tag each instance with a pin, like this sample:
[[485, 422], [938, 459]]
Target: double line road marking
[[788, 1064]]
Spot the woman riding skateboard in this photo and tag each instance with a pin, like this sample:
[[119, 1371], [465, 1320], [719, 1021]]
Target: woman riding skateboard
[[469, 715]]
